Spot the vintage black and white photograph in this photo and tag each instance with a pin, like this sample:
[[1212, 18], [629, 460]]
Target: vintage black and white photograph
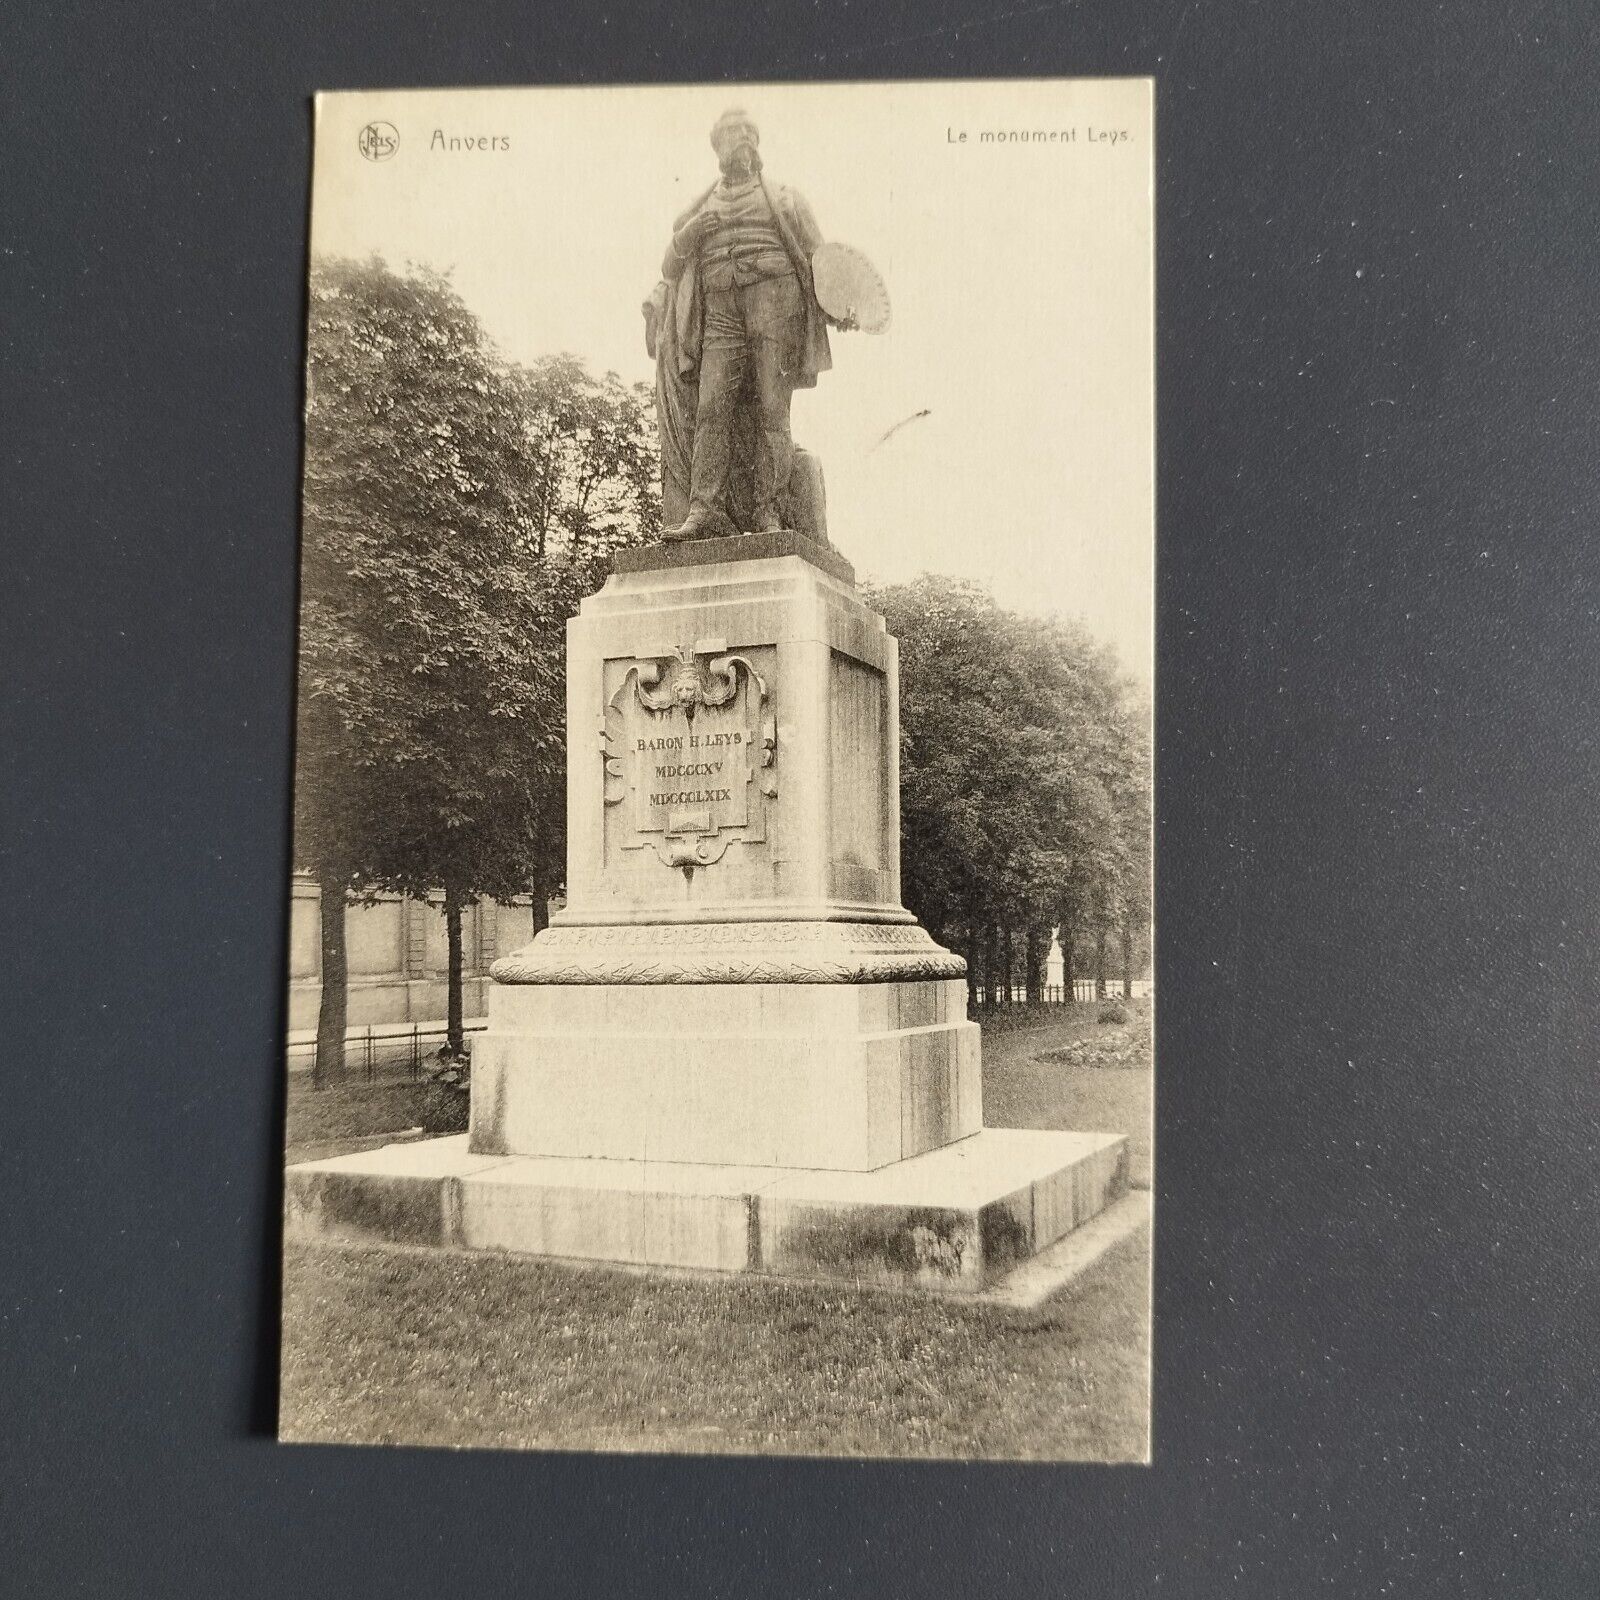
[[720, 968]]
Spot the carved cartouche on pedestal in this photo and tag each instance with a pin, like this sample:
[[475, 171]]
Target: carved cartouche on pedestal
[[685, 741]]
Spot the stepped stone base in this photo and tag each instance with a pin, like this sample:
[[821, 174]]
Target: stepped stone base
[[955, 1219]]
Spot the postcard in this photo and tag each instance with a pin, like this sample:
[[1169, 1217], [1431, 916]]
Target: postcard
[[721, 1010]]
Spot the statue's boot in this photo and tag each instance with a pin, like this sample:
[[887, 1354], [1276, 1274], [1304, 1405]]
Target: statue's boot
[[693, 526]]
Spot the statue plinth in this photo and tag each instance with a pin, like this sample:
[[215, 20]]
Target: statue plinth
[[735, 1047], [737, 547]]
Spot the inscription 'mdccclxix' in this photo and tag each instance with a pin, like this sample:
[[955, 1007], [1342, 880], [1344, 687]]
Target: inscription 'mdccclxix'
[[704, 710]]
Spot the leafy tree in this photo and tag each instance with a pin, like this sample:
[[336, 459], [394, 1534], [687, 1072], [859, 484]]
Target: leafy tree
[[1129, 786], [1023, 779], [431, 707], [596, 477], [595, 489]]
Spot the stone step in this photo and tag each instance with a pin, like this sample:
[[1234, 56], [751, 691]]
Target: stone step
[[956, 1218]]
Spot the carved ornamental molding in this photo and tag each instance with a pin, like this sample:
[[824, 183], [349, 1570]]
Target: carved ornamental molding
[[732, 952]]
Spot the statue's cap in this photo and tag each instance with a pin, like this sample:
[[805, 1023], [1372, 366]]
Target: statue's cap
[[734, 117]]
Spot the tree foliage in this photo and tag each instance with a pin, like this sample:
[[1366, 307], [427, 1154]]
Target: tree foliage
[[1024, 778], [456, 508], [596, 467]]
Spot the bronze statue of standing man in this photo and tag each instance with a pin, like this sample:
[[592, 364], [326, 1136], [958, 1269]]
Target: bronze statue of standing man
[[736, 328]]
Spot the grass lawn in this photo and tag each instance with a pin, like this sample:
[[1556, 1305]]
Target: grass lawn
[[386, 1346], [389, 1346], [1023, 1087]]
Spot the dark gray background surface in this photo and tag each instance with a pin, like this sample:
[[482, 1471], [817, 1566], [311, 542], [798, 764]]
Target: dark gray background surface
[[1376, 1244]]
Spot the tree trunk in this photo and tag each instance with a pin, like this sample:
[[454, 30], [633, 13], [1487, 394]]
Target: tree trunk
[[1006, 960], [1127, 960], [1037, 948], [333, 1012], [455, 1032], [1069, 978], [970, 940], [991, 964], [1100, 962], [541, 904]]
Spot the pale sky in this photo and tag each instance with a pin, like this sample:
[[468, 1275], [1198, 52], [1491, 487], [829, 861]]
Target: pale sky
[[1020, 279]]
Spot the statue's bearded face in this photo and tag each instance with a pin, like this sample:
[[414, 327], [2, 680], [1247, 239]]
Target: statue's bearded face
[[736, 141]]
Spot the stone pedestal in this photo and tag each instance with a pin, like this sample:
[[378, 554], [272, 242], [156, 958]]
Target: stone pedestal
[[746, 704], [830, 1075], [734, 1047], [734, 978]]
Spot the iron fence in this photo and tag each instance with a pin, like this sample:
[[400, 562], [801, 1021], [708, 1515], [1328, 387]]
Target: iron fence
[[392, 1050], [1081, 992]]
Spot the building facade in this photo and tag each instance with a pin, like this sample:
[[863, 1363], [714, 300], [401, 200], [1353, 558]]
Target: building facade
[[398, 959]]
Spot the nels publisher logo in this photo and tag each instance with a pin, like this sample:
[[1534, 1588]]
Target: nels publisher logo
[[378, 141]]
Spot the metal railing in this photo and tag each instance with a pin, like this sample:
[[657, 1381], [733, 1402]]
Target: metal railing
[[1082, 992], [393, 1048]]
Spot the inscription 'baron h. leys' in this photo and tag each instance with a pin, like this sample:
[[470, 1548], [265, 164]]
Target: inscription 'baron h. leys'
[[696, 741]]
